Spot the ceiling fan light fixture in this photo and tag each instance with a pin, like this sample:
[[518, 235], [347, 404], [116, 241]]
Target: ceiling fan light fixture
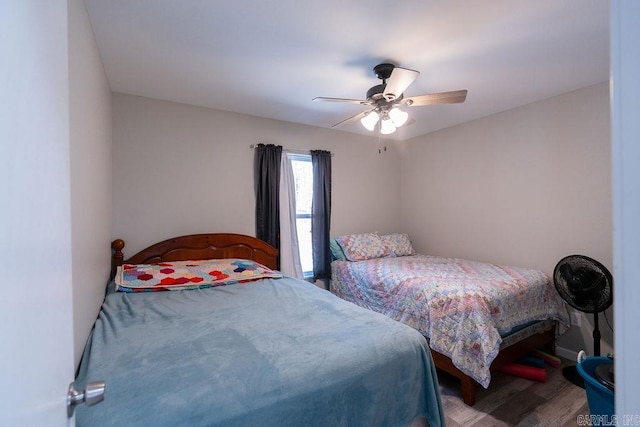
[[387, 126], [398, 116], [369, 121]]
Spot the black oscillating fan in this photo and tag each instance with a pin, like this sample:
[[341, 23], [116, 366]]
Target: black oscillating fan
[[586, 285]]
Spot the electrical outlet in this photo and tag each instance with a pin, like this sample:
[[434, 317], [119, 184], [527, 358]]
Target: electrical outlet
[[576, 319]]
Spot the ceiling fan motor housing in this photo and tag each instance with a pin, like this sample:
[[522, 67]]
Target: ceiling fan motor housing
[[376, 92], [383, 71]]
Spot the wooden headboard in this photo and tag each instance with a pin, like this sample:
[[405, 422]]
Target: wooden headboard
[[199, 246]]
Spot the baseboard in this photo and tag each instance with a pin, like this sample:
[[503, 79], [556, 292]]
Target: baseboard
[[567, 354]]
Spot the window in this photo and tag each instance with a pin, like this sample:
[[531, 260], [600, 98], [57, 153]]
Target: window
[[303, 177]]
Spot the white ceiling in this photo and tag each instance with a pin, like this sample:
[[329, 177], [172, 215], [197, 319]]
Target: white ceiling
[[271, 58]]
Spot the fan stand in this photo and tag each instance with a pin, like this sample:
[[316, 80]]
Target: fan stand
[[571, 372]]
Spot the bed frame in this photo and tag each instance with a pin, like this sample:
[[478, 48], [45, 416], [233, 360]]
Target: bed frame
[[198, 247], [540, 335]]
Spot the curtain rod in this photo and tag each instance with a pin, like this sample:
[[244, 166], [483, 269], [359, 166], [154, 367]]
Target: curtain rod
[[287, 150]]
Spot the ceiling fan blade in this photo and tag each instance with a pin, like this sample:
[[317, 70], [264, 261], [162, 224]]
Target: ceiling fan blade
[[346, 100], [399, 81], [454, 97], [351, 119]]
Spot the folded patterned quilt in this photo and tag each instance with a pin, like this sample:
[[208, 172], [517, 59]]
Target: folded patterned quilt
[[181, 275]]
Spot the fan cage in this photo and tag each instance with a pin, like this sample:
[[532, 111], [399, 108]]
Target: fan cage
[[591, 287]]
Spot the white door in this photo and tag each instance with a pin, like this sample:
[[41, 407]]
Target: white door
[[36, 331], [625, 69]]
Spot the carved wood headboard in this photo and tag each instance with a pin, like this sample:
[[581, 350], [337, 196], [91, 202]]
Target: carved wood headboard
[[197, 247]]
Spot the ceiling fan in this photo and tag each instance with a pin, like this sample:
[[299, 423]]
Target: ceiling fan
[[385, 99]]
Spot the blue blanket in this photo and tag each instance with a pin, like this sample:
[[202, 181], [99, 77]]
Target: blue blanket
[[267, 353]]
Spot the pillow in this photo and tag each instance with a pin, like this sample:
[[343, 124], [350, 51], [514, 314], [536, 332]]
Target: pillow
[[336, 250], [180, 275], [358, 247], [398, 244]]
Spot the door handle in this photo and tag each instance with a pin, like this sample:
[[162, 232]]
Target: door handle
[[94, 393]]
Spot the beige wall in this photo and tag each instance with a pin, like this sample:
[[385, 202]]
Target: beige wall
[[524, 187], [180, 169], [90, 153]]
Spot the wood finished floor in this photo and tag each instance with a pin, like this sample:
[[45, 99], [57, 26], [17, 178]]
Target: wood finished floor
[[513, 401]]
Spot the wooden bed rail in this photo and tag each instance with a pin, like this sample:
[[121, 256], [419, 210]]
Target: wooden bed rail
[[544, 339]]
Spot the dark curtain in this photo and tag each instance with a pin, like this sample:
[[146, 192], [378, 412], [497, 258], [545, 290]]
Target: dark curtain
[[267, 186], [321, 214]]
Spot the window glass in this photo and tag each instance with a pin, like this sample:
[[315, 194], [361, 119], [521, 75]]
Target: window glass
[[303, 177]]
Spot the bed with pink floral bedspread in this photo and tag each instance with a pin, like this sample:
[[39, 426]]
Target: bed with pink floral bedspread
[[463, 307]]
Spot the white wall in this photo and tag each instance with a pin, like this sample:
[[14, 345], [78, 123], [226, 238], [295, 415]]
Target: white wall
[[523, 187], [91, 193], [179, 169]]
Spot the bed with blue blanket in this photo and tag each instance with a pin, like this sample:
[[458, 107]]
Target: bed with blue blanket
[[185, 339]]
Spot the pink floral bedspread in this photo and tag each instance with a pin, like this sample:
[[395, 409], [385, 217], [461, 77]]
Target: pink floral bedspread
[[461, 306]]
